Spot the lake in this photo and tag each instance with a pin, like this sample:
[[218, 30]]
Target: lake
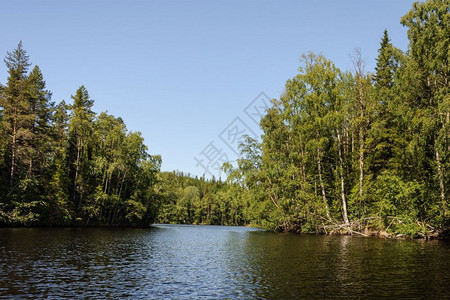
[[204, 262]]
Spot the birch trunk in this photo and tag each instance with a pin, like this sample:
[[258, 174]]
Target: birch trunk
[[361, 161], [341, 173], [13, 152]]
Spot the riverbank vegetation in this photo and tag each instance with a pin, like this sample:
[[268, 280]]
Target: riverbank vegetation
[[187, 200], [359, 152], [341, 151], [64, 164]]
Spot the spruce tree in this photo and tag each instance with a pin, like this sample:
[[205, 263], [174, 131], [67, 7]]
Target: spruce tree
[[382, 134], [384, 70]]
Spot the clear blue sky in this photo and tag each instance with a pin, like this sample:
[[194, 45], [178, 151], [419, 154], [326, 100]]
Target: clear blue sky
[[181, 71]]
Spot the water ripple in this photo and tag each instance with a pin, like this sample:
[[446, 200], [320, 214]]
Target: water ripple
[[212, 262]]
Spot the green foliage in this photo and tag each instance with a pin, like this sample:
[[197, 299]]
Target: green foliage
[[65, 164], [364, 151], [186, 200], [340, 151]]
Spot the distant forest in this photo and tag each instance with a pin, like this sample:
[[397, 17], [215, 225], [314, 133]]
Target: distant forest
[[357, 152]]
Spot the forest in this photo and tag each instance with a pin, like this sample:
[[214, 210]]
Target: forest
[[359, 152], [342, 151], [64, 164]]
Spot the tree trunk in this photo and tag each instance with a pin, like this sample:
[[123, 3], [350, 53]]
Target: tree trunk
[[441, 180], [105, 180], [361, 161], [13, 152], [303, 165], [346, 136], [353, 142], [77, 169], [324, 197], [32, 140], [359, 65], [341, 173]]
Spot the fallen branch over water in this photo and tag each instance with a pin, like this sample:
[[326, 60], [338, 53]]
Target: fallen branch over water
[[362, 227]]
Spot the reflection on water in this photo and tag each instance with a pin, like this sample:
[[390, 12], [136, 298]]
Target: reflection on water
[[191, 262]]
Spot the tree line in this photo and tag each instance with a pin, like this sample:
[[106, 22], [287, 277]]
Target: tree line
[[187, 200], [63, 164], [341, 151], [353, 151]]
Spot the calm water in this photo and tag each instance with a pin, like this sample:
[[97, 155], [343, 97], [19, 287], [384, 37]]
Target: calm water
[[194, 262]]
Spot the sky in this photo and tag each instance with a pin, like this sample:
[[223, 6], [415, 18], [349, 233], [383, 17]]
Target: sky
[[191, 76]]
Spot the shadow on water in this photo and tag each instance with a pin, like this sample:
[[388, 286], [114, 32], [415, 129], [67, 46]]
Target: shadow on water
[[341, 267], [191, 262]]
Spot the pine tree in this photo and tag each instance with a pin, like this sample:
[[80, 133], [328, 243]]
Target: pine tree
[[41, 110], [16, 109], [24, 101]]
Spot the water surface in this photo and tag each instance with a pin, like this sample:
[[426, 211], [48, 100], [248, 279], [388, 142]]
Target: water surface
[[195, 262]]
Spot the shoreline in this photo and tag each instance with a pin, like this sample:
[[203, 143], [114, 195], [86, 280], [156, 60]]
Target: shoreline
[[440, 235]]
